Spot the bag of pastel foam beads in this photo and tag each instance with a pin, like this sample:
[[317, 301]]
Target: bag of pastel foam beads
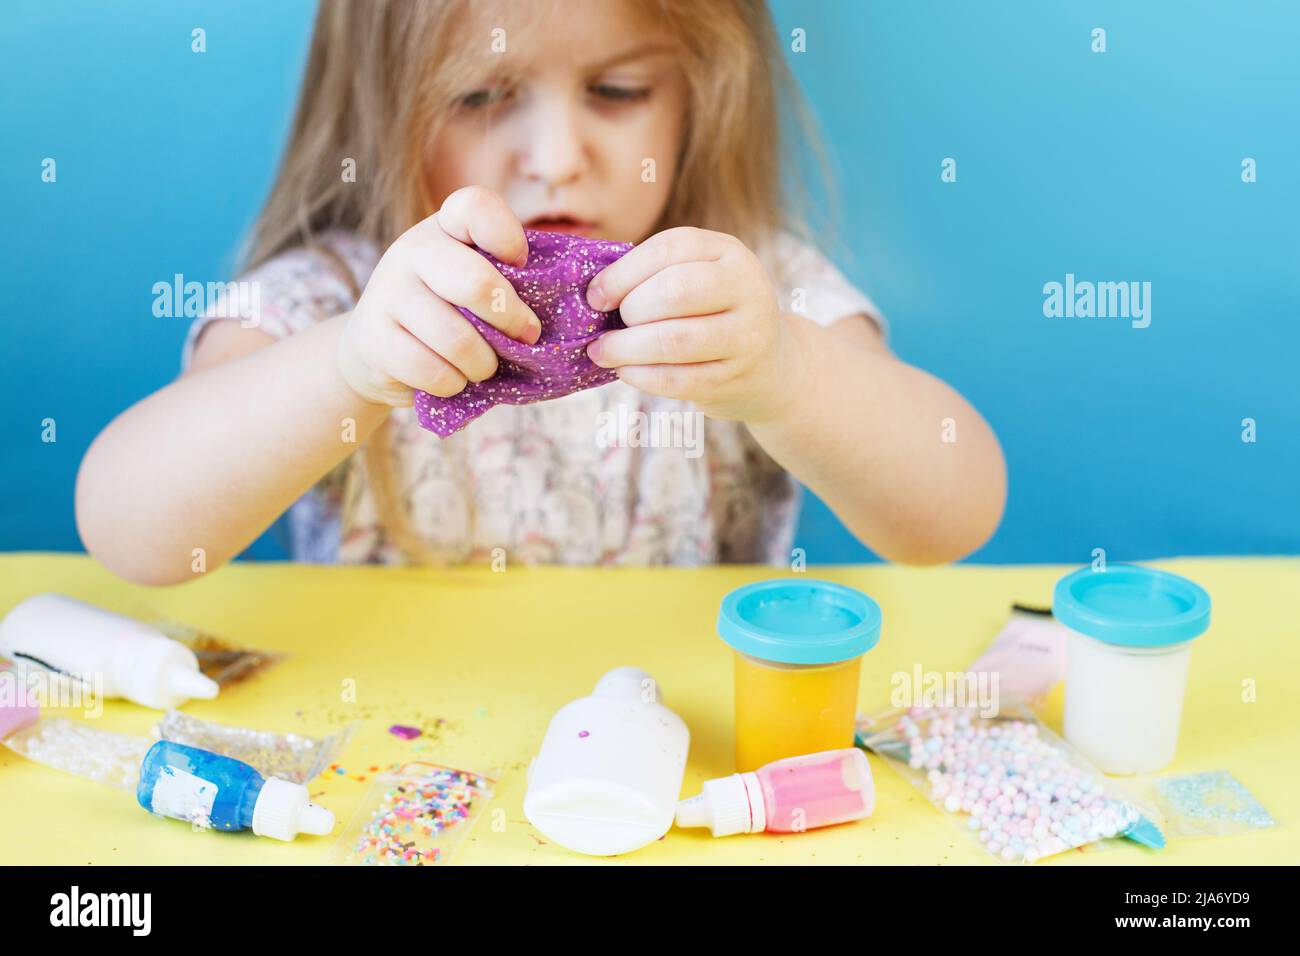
[[1010, 782], [417, 815]]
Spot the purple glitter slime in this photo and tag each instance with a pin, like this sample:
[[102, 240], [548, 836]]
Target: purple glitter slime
[[554, 285]]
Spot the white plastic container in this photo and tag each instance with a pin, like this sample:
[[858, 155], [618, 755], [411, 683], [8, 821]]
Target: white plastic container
[[1112, 691], [610, 769], [1127, 656], [114, 655]]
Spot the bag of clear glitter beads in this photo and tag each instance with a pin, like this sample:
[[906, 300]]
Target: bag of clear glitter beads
[[77, 747]]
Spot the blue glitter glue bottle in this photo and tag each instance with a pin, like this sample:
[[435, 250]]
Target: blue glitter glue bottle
[[215, 792]]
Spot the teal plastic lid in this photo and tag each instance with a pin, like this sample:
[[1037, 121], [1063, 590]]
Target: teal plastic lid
[[1132, 606], [799, 622]]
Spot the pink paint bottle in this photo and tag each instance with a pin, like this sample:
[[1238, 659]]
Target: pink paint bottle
[[788, 796]]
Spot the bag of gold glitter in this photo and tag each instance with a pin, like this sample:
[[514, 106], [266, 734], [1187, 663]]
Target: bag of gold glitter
[[222, 660], [293, 757]]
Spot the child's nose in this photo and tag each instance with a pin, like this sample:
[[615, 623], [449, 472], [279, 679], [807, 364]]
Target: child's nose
[[555, 152]]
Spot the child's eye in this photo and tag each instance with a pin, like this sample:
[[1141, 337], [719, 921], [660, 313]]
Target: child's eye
[[620, 94], [481, 98]]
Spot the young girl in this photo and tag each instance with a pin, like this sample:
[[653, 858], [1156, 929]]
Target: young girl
[[425, 129]]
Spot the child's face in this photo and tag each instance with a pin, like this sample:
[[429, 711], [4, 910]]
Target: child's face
[[587, 124]]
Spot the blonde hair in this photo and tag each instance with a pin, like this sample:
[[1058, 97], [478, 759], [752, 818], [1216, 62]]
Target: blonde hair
[[382, 76]]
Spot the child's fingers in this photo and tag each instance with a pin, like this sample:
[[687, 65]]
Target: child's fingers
[[672, 341], [686, 382], [440, 327], [459, 275], [682, 244], [411, 362], [686, 288], [478, 216]]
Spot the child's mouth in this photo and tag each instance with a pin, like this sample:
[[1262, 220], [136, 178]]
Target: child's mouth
[[566, 224]]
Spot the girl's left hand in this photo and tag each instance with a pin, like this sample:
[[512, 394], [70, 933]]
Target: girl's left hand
[[703, 325]]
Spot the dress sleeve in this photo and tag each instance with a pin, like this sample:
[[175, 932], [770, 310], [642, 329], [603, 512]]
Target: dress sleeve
[[290, 291], [809, 284]]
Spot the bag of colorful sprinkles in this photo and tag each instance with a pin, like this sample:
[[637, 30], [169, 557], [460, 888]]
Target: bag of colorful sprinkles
[[417, 815]]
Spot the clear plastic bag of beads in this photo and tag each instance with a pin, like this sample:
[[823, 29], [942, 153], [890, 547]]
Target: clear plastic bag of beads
[[417, 815], [1015, 787], [78, 747], [1213, 803]]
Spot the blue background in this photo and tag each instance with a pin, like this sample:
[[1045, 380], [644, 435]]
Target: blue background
[[1117, 166]]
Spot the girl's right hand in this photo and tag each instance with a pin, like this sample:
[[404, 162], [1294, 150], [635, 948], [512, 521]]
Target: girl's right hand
[[405, 332]]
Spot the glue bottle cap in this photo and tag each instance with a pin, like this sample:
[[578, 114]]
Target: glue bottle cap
[[630, 683], [283, 810], [191, 683], [162, 673], [727, 805]]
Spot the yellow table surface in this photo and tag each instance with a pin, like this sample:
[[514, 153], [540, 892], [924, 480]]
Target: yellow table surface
[[483, 659]]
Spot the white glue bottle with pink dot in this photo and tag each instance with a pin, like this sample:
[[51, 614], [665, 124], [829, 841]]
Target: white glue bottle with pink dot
[[610, 768], [786, 796]]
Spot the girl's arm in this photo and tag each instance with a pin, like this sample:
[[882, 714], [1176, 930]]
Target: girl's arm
[[906, 463], [831, 405], [210, 461]]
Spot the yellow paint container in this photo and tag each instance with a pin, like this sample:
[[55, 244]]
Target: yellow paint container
[[799, 647]]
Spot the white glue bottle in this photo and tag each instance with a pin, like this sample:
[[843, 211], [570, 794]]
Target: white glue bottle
[[610, 769], [106, 653]]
